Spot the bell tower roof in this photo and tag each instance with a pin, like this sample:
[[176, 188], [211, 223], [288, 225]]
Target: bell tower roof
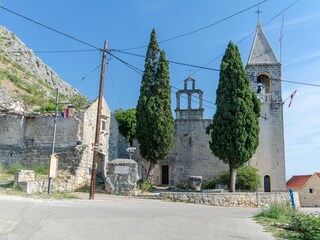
[[261, 51]]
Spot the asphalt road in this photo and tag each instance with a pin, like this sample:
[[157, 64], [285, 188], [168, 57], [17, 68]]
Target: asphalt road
[[110, 217]]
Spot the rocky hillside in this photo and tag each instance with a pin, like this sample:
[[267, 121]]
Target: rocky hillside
[[25, 81]]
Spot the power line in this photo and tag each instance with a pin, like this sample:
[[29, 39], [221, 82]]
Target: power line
[[89, 73], [202, 28], [169, 61], [244, 38], [50, 28], [54, 51], [212, 69], [140, 72]]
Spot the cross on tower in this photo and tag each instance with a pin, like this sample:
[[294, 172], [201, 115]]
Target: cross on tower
[[258, 13]]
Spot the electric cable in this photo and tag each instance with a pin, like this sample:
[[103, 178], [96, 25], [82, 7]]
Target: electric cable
[[202, 28], [50, 28], [245, 37], [140, 72]]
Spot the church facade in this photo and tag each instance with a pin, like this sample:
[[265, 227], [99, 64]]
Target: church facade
[[191, 155]]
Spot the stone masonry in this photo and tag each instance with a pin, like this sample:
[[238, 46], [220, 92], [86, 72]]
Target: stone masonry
[[26, 138]]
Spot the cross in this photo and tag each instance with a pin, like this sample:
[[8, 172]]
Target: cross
[[189, 70], [258, 13]]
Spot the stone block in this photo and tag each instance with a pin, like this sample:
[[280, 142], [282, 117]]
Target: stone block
[[24, 176], [122, 176], [195, 182], [28, 187]]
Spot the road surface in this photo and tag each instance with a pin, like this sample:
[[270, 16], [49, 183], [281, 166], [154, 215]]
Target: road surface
[[115, 218]]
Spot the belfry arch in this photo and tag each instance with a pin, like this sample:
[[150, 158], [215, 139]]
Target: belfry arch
[[263, 83], [194, 97]]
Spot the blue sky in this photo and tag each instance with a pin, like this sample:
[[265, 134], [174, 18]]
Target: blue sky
[[127, 24]]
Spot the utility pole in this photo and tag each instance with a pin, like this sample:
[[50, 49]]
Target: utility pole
[[54, 137], [98, 125]]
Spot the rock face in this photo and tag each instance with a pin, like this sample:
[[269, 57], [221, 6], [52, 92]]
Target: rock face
[[21, 71]]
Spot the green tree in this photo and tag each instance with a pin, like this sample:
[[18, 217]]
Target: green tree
[[235, 127], [127, 123], [155, 124], [79, 101], [247, 178]]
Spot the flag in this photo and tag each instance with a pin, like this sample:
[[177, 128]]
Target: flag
[[292, 96], [65, 114]]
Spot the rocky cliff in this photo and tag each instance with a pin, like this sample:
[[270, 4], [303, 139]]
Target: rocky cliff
[[25, 81]]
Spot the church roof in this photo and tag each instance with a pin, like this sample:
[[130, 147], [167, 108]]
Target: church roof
[[261, 51]]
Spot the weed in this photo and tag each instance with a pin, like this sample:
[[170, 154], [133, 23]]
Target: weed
[[277, 211]]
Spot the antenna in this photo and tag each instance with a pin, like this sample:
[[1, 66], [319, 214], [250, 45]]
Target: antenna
[[281, 37]]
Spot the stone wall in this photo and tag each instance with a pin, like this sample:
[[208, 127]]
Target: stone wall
[[231, 199], [26, 138], [307, 198]]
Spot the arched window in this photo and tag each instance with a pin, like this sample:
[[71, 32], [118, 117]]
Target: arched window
[[267, 183], [184, 101], [263, 84], [195, 101]]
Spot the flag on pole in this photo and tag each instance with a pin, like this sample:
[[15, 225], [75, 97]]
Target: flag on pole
[[292, 96], [65, 114]]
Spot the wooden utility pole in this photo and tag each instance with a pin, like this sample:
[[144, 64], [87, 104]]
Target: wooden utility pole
[[98, 125]]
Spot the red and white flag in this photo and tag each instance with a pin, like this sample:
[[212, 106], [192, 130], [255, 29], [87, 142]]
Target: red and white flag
[[292, 96]]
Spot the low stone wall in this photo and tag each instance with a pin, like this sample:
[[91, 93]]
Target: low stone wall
[[226, 199]]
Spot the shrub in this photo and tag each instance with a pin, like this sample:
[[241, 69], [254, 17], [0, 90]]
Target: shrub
[[277, 211], [247, 178], [308, 226], [145, 186], [210, 184]]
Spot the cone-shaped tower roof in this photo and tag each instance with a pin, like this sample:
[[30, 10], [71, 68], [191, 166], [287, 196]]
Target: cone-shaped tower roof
[[261, 51]]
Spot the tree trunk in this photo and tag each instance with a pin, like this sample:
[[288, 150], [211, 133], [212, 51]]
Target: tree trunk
[[150, 171], [233, 177]]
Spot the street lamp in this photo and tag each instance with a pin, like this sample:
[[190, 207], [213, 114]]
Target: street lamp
[[53, 159]]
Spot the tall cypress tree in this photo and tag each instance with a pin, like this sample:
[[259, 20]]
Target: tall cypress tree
[[235, 128], [155, 124]]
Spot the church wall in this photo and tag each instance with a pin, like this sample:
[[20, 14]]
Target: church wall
[[191, 155]]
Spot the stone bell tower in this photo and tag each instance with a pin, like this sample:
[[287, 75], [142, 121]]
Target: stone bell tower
[[189, 113], [264, 71]]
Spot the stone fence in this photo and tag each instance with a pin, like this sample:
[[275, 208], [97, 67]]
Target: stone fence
[[227, 199]]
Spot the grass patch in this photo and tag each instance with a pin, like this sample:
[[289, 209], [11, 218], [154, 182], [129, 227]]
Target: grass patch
[[38, 169], [280, 220]]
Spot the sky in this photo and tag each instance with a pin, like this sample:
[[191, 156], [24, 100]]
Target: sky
[[127, 25]]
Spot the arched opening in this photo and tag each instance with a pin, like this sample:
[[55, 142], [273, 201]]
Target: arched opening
[[263, 84], [195, 101], [267, 183], [184, 101]]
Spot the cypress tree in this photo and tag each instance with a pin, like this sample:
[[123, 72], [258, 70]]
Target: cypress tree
[[155, 124], [235, 128]]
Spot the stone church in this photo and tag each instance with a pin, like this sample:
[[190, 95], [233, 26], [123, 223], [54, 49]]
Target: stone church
[[191, 155], [26, 137]]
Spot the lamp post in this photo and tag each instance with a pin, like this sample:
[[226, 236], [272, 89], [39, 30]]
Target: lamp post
[[54, 136], [54, 139]]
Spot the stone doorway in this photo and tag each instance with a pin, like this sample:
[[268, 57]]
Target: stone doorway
[[165, 174]]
